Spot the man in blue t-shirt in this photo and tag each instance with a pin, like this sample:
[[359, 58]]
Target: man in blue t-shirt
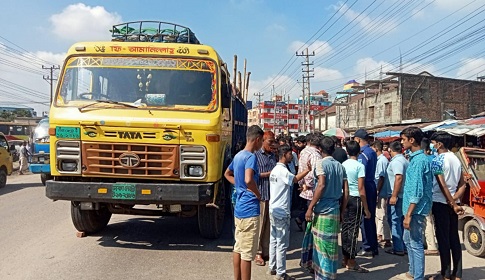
[[243, 174], [368, 158]]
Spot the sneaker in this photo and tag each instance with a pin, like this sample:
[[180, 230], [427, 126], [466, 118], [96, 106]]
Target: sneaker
[[283, 277], [364, 253]]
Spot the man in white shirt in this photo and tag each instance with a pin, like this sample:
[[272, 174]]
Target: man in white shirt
[[448, 186], [281, 181]]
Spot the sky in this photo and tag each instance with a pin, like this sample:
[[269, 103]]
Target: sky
[[350, 39]]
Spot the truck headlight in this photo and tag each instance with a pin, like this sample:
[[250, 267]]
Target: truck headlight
[[69, 166], [195, 170]]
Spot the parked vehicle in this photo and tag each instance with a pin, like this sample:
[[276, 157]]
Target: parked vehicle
[[472, 223], [6, 163], [149, 118], [40, 160]]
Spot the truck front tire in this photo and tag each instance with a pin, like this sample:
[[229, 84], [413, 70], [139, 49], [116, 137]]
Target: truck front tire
[[211, 219], [44, 177], [89, 221]]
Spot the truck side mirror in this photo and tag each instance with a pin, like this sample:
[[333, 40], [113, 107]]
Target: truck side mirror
[[226, 90]]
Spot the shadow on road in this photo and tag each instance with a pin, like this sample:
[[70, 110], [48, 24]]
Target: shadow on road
[[13, 187], [163, 233]]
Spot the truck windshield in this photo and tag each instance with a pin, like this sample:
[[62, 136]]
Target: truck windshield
[[41, 132], [174, 84]]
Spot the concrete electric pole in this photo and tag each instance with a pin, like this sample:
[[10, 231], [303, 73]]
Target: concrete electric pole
[[306, 78], [50, 78], [259, 95]]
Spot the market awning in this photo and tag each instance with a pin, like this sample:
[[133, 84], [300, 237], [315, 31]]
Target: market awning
[[479, 121], [440, 125], [461, 130], [478, 132], [387, 133]]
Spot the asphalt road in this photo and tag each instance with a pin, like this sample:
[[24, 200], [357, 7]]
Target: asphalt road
[[38, 241]]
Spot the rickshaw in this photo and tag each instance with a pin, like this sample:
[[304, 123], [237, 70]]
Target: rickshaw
[[472, 222]]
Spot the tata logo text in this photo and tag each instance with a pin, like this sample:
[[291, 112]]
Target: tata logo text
[[129, 160], [129, 135]]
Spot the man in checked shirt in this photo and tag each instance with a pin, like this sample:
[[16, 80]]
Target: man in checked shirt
[[310, 153], [266, 162]]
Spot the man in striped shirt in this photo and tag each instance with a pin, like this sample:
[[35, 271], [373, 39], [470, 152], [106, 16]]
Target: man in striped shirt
[[310, 153], [266, 162]]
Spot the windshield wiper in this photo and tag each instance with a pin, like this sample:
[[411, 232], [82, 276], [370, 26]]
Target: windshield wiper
[[108, 102]]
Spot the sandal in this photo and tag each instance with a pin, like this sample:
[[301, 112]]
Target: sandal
[[435, 277], [259, 260], [431, 252], [392, 252], [357, 268]]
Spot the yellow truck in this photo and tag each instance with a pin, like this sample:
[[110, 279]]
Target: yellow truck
[[144, 124]]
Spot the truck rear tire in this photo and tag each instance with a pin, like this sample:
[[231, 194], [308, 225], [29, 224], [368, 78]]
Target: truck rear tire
[[211, 219], [474, 238], [89, 221], [3, 178]]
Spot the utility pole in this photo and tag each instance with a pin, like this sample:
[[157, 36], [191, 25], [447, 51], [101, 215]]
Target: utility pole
[[302, 115], [259, 95], [288, 112], [50, 78], [306, 74], [274, 115]]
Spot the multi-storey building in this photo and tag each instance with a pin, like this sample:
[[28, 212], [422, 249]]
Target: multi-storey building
[[289, 114]]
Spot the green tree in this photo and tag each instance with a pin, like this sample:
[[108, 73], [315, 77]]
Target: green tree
[[22, 113], [7, 116]]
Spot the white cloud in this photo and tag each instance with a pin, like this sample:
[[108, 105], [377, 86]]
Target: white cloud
[[79, 22], [416, 68], [22, 70], [372, 68], [320, 48], [280, 83], [367, 23], [471, 68], [52, 58], [324, 74]]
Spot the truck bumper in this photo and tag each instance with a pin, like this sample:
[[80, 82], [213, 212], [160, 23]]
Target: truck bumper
[[38, 168], [139, 193]]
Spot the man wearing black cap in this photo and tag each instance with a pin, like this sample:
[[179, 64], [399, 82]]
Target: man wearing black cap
[[368, 158]]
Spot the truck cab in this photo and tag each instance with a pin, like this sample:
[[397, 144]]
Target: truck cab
[[40, 162]]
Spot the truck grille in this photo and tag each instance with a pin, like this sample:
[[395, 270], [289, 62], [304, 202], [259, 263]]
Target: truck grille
[[130, 160]]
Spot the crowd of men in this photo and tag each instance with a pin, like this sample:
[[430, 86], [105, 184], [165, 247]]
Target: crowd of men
[[390, 193]]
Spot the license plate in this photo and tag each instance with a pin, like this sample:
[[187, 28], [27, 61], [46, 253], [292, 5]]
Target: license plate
[[123, 191]]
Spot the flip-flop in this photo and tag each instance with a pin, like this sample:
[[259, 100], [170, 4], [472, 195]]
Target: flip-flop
[[357, 268], [259, 261], [392, 252], [431, 252]]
